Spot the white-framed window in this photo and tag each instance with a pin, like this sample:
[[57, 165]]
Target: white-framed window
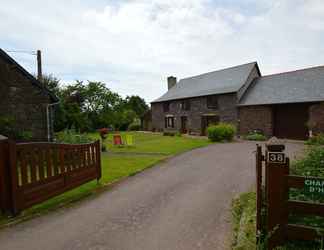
[[169, 122]]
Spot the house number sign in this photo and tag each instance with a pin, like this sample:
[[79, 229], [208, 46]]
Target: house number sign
[[276, 157]]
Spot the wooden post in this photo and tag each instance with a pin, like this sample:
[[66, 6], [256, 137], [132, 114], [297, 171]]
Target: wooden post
[[4, 187], [39, 65], [14, 177], [277, 167], [98, 163], [258, 157]]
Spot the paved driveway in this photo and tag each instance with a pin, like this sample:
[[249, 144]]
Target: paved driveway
[[183, 203]]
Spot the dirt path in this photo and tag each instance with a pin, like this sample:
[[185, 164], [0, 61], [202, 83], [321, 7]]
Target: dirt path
[[182, 204]]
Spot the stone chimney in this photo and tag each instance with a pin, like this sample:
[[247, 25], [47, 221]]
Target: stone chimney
[[171, 81]]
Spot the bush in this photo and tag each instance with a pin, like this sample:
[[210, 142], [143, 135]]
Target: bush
[[72, 137], [168, 133], [221, 132], [316, 140], [134, 127], [312, 164], [255, 136]]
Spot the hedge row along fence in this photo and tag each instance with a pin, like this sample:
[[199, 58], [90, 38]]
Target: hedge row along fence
[[31, 173], [276, 203]]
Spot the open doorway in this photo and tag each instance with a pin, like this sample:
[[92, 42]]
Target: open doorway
[[184, 124], [207, 120]]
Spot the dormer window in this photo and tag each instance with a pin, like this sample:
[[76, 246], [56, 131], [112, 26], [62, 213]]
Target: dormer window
[[212, 102]]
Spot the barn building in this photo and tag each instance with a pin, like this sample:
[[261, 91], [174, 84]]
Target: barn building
[[286, 105]]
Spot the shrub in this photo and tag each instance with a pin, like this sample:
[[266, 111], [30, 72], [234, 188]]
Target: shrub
[[312, 164], [25, 135], [7, 128], [169, 133], [72, 137], [134, 127], [255, 136], [316, 140], [221, 132]]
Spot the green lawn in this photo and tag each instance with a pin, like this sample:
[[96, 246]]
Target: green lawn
[[152, 148], [155, 143]]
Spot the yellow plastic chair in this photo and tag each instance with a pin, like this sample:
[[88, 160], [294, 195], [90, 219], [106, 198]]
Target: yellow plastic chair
[[129, 140]]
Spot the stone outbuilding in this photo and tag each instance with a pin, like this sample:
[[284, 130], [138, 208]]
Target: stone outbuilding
[[285, 105], [25, 101]]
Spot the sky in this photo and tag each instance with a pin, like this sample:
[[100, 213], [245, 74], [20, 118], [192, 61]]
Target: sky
[[133, 46]]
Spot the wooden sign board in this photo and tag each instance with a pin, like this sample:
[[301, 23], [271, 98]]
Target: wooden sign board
[[315, 186], [277, 157]]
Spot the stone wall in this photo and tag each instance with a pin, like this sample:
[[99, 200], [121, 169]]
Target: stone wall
[[227, 112], [256, 118], [23, 101], [316, 118]]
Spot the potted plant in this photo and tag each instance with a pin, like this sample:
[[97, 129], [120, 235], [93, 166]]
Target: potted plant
[[103, 132]]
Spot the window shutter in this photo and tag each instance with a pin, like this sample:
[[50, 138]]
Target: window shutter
[[165, 122]]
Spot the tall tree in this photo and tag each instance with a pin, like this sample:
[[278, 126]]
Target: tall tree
[[137, 104]]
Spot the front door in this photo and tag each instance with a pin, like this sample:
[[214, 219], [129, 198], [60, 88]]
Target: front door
[[184, 122], [207, 120]]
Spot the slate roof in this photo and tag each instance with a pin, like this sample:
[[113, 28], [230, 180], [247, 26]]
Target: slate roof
[[223, 81], [306, 85], [34, 81]]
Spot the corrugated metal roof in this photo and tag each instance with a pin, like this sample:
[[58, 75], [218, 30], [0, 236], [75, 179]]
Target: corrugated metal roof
[[306, 85], [217, 82]]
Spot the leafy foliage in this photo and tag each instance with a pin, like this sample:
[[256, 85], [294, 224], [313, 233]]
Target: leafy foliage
[[255, 136], [316, 140], [169, 133], [72, 137], [221, 132], [312, 164], [7, 128], [91, 105], [134, 127]]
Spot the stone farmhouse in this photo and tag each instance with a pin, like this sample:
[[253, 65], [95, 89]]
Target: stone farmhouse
[[285, 105], [24, 99]]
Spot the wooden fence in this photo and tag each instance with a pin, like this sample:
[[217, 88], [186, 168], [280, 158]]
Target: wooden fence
[[276, 203], [31, 173]]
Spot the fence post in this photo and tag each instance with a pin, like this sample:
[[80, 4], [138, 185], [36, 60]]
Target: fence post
[[98, 163], [277, 167], [13, 173], [5, 177], [258, 157]]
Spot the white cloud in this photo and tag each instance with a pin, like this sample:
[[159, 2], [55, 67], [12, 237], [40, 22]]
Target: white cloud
[[134, 45]]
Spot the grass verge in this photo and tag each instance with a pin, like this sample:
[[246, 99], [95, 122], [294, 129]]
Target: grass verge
[[243, 220], [243, 223]]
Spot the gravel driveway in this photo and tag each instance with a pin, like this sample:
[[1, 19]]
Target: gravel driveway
[[183, 203]]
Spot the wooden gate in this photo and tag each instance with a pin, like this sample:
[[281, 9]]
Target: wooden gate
[[35, 172], [276, 203]]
